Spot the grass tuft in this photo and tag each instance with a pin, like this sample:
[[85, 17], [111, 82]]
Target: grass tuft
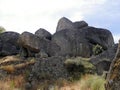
[[92, 82]]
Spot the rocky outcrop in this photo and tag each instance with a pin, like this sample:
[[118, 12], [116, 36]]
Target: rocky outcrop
[[31, 43], [72, 43], [108, 54], [99, 36], [75, 42], [113, 77], [42, 33], [70, 39], [103, 60], [64, 54], [8, 43]]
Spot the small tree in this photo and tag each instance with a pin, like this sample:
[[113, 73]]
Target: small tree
[[2, 29], [97, 49]]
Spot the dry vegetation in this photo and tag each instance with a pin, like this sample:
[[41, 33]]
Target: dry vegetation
[[6, 63], [12, 83], [87, 82], [17, 82]]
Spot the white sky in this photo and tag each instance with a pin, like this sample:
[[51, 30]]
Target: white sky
[[30, 15]]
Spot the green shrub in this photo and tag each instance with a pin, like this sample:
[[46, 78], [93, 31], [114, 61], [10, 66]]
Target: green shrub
[[2, 29], [78, 66], [97, 49]]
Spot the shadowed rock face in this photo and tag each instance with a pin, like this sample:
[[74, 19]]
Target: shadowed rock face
[[113, 77], [108, 55], [75, 42], [70, 39], [99, 36], [31, 43], [8, 43], [72, 43], [103, 60]]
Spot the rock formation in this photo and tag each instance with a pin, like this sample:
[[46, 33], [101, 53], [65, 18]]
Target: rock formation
[[8, 43], [32, 44], [76, 38], [42, 33], [50, 52], [103, 60]]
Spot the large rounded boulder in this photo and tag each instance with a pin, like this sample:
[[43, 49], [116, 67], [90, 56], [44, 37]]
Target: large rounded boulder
[[99, 36], [42, 33], [8, 43], [72, 43], [76, 38]]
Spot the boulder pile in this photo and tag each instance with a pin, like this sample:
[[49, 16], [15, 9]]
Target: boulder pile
[[71, 39]]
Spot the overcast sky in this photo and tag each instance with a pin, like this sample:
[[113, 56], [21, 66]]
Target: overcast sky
[[30, 15]]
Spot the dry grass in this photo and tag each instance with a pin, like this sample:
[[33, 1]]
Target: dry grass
[[92, 82], [87, 82], [8, 68], [9, 59], [12, 68], [12, 83]]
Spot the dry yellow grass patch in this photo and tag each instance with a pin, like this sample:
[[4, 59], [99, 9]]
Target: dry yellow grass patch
[[9, 59], [12, 83], [8, 68], [12, 68]]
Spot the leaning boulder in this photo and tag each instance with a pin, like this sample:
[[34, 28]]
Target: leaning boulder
[[29, 41], [42, 33]]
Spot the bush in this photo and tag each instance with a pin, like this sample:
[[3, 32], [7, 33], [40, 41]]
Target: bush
[[97, 49], [78, 66], [2, 29]]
